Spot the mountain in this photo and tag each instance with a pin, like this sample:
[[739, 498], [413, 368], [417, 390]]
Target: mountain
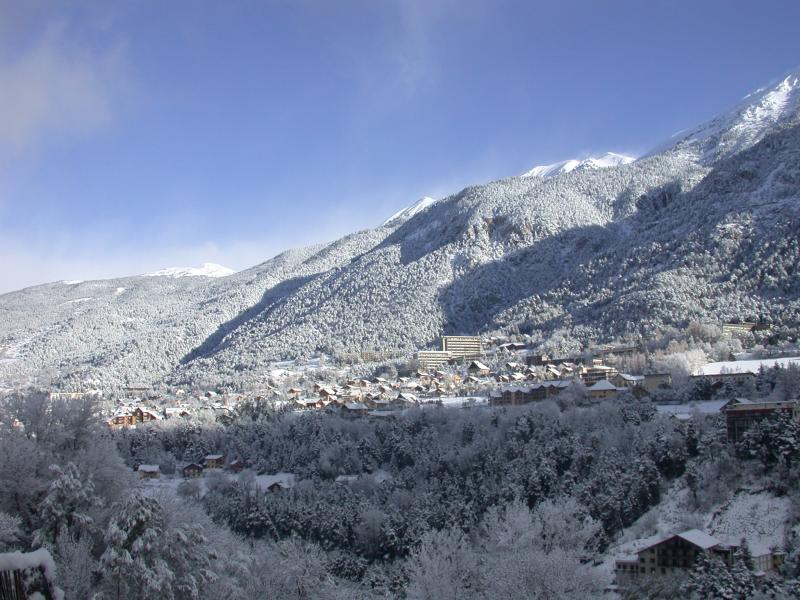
[[204, 270], [609, 159], [706, 228]]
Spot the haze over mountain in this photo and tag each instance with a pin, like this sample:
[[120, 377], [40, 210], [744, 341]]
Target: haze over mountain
[[703, 228]]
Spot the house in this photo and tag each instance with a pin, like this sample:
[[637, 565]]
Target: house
[[145, 415], [623, 380], [294, 391], [603, 389], [237, 466], [192, 470], [276, 483], [741, 414], [355, 409], [306, 403], [476, 367], [149, 471], [122, 419], [655, 381], [214, 461]]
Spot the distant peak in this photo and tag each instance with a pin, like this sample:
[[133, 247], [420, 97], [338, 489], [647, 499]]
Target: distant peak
[[603, 161], [405, 214], [205, 270]]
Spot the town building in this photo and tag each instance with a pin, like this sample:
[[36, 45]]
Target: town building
[[432, 359], [462, 346], [741, 414], [677, 554], [603, 390], [656, 381]]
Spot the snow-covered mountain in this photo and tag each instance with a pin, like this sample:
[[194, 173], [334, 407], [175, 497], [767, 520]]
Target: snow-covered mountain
[[707, 229], [204, 270], [743, 126], [405, 214], [609, 159]]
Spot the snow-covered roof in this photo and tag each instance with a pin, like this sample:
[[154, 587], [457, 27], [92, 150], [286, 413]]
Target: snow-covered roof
[[603, 385], [627, 377], [355, 406], [149, 468], [699, 538], [214, 457]]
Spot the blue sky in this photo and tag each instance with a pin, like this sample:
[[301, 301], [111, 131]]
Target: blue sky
[[141, 135]]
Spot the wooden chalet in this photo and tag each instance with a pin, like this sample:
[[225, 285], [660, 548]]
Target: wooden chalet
[[214, 461], [192, 470]]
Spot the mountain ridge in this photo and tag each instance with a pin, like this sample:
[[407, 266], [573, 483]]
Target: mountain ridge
[[704, 230]]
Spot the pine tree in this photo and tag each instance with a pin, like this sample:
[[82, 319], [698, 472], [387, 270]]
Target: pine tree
[[66, 506]]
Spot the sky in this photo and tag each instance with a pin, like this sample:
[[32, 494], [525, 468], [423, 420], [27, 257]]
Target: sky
[[141, 135]]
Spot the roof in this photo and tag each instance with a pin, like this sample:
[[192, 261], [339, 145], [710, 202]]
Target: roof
[[699, 538], [478, 365], [603, 385], [355, 406], [214, 456], [149, 468], [627, 377]]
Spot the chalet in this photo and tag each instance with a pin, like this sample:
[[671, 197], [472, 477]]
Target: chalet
[[355, 409], [122, 419], [476, 367], [145, 415], [741, 414], [237, 465], [602, 390], [655, 381], [192, 470], [294, 391], [677, 553], [276, 483], [404, 399], [149, 471], [327, 391], [537, 359], [306, 403], [214, 461]]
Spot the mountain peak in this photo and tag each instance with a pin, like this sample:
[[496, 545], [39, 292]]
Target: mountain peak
[[744, 125], [204, 270], [405, 214], [609, 159]]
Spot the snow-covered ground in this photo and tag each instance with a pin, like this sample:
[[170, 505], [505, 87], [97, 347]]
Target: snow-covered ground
[[706, 408], [204, 270], [746, 366]]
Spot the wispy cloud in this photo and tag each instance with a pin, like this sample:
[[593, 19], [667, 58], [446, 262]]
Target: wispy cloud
[[56, 85]]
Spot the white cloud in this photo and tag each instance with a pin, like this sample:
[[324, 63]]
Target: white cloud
[[55, 86]]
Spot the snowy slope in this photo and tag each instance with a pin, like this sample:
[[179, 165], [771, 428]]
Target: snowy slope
[[405, 214], [204, 270], [746, 366], [604, 161], [740, 128]]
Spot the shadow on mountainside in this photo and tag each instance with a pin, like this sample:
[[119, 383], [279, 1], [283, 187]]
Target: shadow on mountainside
[[619, 272], [216, 341]]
